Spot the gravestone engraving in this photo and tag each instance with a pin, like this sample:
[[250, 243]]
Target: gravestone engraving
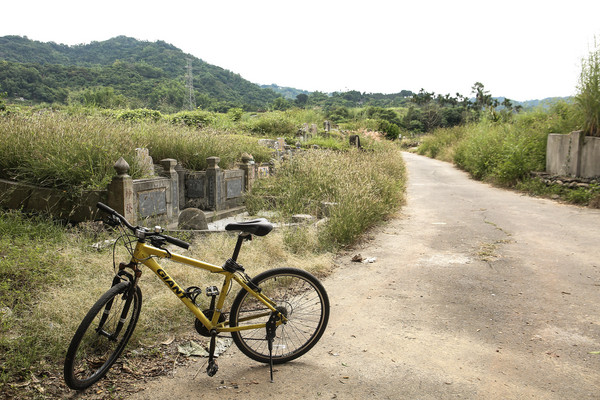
[[234, 188], [194, 186], [152, 202]]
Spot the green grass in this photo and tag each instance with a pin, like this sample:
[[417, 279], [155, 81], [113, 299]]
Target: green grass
[[580, 196], [29, 268], [76, 152], [503, 152]]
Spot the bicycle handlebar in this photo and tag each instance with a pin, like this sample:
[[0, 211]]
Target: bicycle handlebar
[[175, 241], [170, 239]]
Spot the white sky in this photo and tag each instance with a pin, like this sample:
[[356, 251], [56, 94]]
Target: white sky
[[526, 49]]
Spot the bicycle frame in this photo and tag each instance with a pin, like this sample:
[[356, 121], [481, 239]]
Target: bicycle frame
[[146, 254]]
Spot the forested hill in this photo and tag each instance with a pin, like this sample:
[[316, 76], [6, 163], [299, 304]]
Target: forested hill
[[121, 71]]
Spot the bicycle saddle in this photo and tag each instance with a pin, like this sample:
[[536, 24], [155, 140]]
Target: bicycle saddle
[[259, 227]]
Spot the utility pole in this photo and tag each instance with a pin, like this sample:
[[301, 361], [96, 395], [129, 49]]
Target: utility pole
[[189, 84]]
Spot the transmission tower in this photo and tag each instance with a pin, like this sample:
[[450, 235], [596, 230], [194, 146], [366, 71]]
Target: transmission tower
[[189, 84]]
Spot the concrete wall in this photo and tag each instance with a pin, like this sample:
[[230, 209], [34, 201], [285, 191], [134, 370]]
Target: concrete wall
[[573, 155], [590, 157], [29, 198]]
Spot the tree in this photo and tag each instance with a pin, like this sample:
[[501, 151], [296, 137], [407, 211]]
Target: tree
[[301, 100], [280, 104], [483, 98]]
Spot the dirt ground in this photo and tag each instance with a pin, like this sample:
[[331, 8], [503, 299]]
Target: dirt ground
[[475, 293]]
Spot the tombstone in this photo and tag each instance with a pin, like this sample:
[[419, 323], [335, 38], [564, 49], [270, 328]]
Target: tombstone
[[327, 126], [192, 219], [280, 143], [313, 129], [355, 141], [144, 161], [270, 143]]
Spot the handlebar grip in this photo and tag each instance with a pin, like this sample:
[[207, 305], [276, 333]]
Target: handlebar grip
[[176, 242], [105, 208], [112, 212]]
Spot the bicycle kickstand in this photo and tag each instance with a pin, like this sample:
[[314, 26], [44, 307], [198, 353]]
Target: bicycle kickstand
[[212, 367], [271, 328]]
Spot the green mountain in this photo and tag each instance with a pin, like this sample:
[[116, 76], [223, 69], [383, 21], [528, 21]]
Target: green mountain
[[287, 92], [120, 71]]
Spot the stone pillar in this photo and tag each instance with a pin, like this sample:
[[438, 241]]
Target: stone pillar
[[249, 172], [181, 186], [213, 180], [120, 192], [169, 172]]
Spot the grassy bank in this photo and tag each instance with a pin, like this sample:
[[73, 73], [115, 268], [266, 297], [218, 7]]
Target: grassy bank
[[506, 152]]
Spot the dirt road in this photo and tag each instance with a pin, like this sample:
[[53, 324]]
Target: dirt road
[[476, 293]]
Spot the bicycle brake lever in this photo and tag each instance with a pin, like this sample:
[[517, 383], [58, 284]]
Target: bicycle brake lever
[[111, 220]]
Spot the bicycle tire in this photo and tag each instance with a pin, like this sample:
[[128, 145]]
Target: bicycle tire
[[299, 295], [91, 354]]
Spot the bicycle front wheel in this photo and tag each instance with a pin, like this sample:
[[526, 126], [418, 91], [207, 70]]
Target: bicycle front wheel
[[102, 336], [299, 296]]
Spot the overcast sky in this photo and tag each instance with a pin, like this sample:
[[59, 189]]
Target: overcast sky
[[523, 50]]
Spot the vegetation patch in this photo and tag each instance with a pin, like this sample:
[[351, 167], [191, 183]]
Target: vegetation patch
[[359, 189]]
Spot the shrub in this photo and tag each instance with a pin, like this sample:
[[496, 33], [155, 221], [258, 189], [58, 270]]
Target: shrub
[[197, 119], [441, 143], [272, 124], [588, 98]]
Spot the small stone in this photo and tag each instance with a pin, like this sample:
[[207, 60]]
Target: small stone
[[192, 219]]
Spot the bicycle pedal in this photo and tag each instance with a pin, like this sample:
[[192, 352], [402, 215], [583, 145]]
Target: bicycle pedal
[[212, 291]]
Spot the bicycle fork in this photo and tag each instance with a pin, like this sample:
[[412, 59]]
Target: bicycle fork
[[129, 298]]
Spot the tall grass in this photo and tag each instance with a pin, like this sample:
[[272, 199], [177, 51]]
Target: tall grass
[[363, 186], [57, 150], [588, 97], [441, 144], [78, 151], [501, 152]]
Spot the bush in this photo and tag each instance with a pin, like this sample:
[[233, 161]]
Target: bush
[[442, 142], [196, 119], [272, 124], [503, 153], [137, 115], [588, 98]]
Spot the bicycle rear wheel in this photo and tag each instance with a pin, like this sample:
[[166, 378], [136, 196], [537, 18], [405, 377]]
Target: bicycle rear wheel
[[102, 336], [300, 297]]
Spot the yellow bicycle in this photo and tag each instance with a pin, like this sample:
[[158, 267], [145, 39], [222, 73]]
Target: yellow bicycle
[[277, 316]]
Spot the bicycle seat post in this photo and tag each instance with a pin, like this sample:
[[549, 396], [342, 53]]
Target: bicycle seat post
[[238, 246]]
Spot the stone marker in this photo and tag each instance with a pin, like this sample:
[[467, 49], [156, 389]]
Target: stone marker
[[193, 219]]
